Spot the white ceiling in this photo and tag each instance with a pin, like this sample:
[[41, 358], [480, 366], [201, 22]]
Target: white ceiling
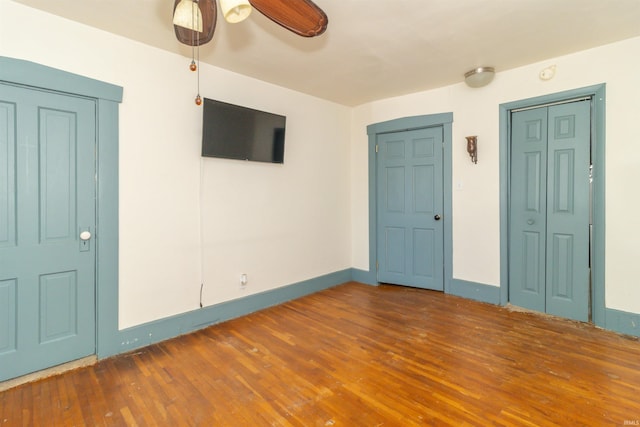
[[376, 49]]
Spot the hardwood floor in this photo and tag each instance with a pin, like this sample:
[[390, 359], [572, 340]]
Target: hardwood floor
[[355, 355]]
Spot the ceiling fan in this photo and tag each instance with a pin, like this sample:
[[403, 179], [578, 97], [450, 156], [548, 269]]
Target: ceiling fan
[[302, 17], [194, 21]]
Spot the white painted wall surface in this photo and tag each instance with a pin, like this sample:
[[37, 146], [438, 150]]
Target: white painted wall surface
[[476, 208], [284, 223], [278, 223]]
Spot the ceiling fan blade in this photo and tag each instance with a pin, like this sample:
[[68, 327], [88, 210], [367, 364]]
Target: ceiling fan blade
[[209, 15], [302, 17]]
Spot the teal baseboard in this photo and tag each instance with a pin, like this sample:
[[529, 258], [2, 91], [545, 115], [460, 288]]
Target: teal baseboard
[[622, 322], [363, 276], [163, 329], [153, 332], [475, 291], [461, 288]]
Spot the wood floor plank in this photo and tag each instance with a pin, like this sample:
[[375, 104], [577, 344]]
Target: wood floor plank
[[355, 355]]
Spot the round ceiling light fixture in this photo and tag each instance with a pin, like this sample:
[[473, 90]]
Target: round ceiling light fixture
[[479, 77]]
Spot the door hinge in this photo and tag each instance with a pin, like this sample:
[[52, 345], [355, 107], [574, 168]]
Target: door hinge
[[376, 148], [377, 266]]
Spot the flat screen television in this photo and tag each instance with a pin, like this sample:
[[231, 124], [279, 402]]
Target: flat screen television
[[234, 132]]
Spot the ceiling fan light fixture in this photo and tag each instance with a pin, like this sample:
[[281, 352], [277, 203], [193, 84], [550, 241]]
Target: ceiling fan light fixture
[[188, 15], [235, 11], [479, 77]]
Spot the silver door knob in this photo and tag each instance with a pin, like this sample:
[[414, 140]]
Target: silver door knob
[[530, 221], [85, 235]]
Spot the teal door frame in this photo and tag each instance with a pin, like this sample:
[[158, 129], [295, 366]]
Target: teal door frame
[[597, 94], [399, 125], [107, 97]]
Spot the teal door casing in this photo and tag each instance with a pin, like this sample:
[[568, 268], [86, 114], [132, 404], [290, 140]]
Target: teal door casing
[[47, 201], [107, 97], [549, 226], [410, 207]]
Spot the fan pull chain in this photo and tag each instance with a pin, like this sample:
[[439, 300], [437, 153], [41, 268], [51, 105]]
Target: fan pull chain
[[195, 50], [198, 99], [193, 66]]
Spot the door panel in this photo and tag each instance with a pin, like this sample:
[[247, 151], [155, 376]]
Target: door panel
[[57, 175], [424, 243], [46, 280], [7, 175], [410, 250], [58, 292], [568, 214], [549, 210], [394, 248], [395, 182], [528, 205], [8, 333], [531, 280]]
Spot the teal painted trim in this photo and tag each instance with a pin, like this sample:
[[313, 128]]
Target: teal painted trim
[[598, 94], [504, 156], [599, 205], [447, 170], [170, 327], [362, 276], [18, 71], [475, 291], [398, 125], [373, 212], [623, 322], [107, 226], [107, 96], [409, 123]]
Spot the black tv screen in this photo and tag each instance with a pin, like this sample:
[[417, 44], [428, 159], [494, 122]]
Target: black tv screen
[[234, 132]]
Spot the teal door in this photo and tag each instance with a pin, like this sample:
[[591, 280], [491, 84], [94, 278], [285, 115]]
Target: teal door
[[549, 209], [47, 216], [409, 209]]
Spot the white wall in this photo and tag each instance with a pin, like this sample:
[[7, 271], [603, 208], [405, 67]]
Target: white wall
[[285, 223], [476, 206], [278, 223]]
